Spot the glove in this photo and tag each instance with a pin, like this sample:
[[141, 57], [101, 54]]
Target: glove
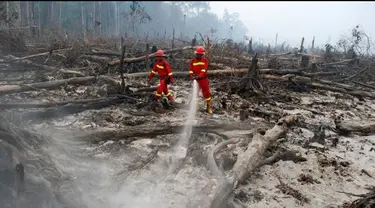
[[171, 80]]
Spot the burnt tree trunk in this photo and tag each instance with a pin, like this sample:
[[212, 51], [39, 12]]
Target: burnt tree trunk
[[302, 49], [121, 67], [305, 61], [251, 81]]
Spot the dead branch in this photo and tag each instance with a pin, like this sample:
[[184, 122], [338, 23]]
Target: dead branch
[[72, 72], [286, 189], [285, 155], [340, 62], [365, 200], [99, 59], [357, 74], [104, 53]]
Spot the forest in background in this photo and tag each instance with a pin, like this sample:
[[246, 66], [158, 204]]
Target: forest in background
[[146, 20], [123, 18]]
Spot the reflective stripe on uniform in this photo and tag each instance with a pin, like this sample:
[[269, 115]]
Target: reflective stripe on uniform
[[169, 94], [153, 72], [203, 70], [170, 74], [191, 72], [160, 67], [158, 94], [198, 63], [208, 99]]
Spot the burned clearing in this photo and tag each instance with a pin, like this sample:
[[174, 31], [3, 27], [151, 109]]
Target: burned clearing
[[79, 129]]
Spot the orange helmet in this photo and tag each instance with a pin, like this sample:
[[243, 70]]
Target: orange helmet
[[200, 50], [159, 53]]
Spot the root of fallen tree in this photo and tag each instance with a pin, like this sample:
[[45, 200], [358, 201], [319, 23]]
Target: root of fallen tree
[[246, 163], [365, 200]]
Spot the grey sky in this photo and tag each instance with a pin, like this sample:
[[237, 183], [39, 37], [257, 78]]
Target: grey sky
[[327, 21]]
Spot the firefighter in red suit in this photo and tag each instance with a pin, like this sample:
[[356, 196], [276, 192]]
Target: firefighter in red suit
[[164, 70], [198, 71]]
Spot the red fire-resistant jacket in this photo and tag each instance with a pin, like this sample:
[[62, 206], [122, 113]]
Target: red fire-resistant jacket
[[199, 67], [161, 67]]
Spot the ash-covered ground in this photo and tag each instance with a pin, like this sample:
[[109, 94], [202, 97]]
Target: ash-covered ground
[[135, 169]]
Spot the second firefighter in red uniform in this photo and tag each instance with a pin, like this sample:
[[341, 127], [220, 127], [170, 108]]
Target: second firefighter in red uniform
[[164, 70], [198, 71]]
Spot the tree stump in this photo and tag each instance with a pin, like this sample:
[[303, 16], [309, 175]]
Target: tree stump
[[251, 81], [305, 61]]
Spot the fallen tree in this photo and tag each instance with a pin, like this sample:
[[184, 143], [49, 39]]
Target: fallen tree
[[238, 71], [311, 83], [13, 58], [130, 134], [253, 156], [246, 163], [142, 58], [7, 89], [71, 108], [46, 68], [49, 104], [363, 127]]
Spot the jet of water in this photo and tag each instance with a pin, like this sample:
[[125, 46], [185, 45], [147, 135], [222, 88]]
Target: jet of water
[[181, 147]]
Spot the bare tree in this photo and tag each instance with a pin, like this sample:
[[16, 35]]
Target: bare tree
[[138, 15], [7, 13], [116, 18], [277, 34], [51, 15], [82, 18], [60, 16]]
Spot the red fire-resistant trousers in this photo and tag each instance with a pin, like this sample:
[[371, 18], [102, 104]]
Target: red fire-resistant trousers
[[163, 87], [204, 85]]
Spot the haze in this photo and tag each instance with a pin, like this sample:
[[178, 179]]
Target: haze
[[327, 21]]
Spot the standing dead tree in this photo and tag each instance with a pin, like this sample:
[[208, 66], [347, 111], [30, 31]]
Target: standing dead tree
[[137, 15], [302, 48], [251, 81], [121, 67], [250, 49]]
